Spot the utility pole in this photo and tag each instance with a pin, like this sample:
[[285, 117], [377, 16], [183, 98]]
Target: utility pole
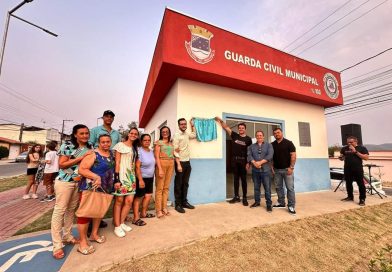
[[21, 132], [62, 131]]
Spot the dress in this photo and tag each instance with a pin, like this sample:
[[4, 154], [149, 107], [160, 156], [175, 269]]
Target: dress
[[127, 170], [103, 167]]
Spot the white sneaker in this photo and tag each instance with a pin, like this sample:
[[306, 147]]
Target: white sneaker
[[118, 231], [125, 227], [26, 197], [34, 196]]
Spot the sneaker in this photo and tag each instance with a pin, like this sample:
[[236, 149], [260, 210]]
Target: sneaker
[[26, 197], [34, 196], [50, 198], [292, 210], [347, 199], [119, 232], [362, 202], [235, 200], [254, 205], [245, 202], [179, 209], [269, 209], [125, 227], [187, 205], [278, 205], [44, 199]]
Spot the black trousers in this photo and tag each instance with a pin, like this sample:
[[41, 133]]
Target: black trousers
[[239, 171], [357, 176], [181, 183]]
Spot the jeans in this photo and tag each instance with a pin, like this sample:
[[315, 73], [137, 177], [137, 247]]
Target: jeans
[[280, 176], [239, 171], [181, 183], [162, 184], [262, 178], [357, 176]]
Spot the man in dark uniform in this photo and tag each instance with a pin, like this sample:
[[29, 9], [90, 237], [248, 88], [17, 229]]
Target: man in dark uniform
[[353, 154], [240, 142]]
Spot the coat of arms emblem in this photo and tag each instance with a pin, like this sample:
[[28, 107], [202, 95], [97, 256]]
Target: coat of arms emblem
[[199, 47]]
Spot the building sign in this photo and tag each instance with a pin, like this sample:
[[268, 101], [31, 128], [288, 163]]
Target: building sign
[[191, 49]]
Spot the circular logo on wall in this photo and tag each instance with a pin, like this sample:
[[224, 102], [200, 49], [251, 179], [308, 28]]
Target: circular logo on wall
[[199, 46], [331, 85]]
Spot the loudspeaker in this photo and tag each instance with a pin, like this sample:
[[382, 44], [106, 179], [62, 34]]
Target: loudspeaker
[[351, 130]]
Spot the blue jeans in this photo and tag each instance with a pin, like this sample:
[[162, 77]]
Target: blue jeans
[[262, 178], [280, 177]]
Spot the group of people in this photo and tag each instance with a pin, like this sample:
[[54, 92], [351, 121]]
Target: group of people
[[266, 160], [100, 159]]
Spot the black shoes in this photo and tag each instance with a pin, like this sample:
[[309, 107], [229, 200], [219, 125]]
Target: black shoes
[[254, 205], [269, 209], [103, 224], [362, 202], [188, 206], [179, 209], [291, 210], [235, 200], [348, 199], [245, 202], [278, 205]]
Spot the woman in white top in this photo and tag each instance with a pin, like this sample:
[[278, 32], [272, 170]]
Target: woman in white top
[[33, 158], [125, 180]]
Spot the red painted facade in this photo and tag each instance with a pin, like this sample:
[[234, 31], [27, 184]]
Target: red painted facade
[[230, 60]]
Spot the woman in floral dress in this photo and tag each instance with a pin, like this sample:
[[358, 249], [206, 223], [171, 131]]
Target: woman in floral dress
[[125, 181]]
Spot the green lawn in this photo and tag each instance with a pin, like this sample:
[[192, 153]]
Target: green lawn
[[13, 182]]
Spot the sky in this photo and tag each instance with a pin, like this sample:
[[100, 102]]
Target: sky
[[102, 56]]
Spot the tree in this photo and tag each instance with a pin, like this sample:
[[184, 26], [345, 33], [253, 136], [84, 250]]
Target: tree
[[4, 152], [332, 149]]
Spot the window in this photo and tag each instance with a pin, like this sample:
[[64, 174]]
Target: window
[[304, 134]]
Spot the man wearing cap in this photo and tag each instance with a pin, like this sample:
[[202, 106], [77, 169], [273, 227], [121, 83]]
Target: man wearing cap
[[106, 128]]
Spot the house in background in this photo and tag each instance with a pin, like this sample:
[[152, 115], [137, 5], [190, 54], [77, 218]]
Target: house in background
[[13, 146], [30, 134]]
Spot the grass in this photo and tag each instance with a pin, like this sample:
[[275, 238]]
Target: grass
[[11, 183], [42, 223], [344, 241]]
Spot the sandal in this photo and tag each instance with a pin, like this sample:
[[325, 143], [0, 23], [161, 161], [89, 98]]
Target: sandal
[[73, 241], [166, 212], [139, 223], [148, 215], [160, 215], [100, 240], [86, 251], [58, 254]]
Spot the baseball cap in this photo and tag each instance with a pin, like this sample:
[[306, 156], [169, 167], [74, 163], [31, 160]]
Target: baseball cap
[[108, 112]]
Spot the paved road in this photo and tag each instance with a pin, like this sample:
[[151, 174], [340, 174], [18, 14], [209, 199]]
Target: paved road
[[12, 169]]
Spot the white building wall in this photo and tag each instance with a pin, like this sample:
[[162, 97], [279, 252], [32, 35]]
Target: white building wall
[[197, 99], [167, 111]]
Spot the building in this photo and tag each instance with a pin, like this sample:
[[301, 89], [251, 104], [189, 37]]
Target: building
[[29, 134], [13, 146], [200, 70]]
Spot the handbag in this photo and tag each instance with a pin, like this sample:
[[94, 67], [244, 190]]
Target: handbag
[[94, 204]]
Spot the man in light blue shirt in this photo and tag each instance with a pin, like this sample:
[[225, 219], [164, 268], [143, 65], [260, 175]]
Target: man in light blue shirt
[[106, 128]]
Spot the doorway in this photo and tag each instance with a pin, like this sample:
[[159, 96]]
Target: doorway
[[251, 128]]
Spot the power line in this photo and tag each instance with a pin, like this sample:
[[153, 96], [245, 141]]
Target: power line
[[25, 98], [368, 79], [342, 27], [376, 102], [306, 32], [372, 57], [366, 73], [318, 33]]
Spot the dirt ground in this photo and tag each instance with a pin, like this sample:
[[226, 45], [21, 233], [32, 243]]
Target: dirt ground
[[344, 241]]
